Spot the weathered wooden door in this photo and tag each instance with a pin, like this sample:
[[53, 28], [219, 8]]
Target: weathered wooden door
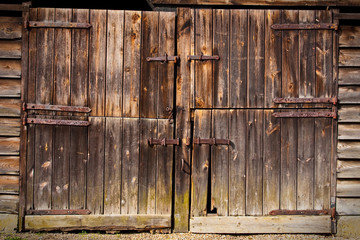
[[262, 87], [99, 115]]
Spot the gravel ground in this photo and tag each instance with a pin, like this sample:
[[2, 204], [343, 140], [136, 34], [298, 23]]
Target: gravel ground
[[150, 236]]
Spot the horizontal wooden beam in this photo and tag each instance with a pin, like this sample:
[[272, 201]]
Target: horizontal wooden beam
[[13, 7], [96, 222], [59, 212], [263, 224], [348, 206], [348, 188], [347, 16], [348, 169]]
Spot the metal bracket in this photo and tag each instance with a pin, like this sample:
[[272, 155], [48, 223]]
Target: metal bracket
[[164, 141], [211, 141], [202, 57], [163, 59]]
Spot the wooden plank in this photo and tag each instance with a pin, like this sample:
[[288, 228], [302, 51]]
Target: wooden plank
[[201, 165], [9, 184], [237, 162], [95, 166], [256, 60], [348, 150], [164, 173], [9, 165], [10, 127], [184, 99], [114, 63], [112, 171], [238, 58], [9, 204], [349, 131], [348, 188], [250, 224], [349, 36], [254, 163], [10, 88], [97, 61], [305, 163], [130, 166], [272, 63], [323, 157], [203, 87], [131, 78], [166, 71], [349, 57], [348, 169], [10, 107], [10, 68], [97, 222], [9, 145], [349, 114], [272, 159], [149, 71], [221, 44], [10, 49], [348, 206], [349, 94], [10, 28], [147, 167], [349, 76], [307, 56], [12, 7], [290, 53]]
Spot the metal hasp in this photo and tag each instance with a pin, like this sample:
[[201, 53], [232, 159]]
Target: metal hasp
[[300, 212], [202, 57], [163, 59], [320, 114], [59, 212], [37, 24], [211, 141], [163, 141], [310, 26], [305, 100]]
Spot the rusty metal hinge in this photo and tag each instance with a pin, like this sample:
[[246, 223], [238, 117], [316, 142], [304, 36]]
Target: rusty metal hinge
[[202, 57], [43, 24], [306, 26], [59, 122], [163, 59], [305, 100], [211, 141], [319, 114], [164, 141], [59, 212]]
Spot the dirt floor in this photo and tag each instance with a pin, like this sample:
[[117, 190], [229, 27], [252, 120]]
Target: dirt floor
[[174, 236]]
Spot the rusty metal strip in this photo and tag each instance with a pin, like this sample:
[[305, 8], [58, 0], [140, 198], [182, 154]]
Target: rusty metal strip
[[202, 57], [305, 100], [164, 141], [38, 24], [59, 108], [211, 141], [59, 212], [300, 212], [59, 122], [310, 26], [321, 114], [163, 59]]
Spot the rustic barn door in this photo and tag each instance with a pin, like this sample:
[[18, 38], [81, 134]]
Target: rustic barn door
[[262, 92], [99, 114]]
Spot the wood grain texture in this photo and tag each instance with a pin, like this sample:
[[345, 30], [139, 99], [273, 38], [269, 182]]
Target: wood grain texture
[[349, 76], [349, 114], [348, 169], [10, 127], [349, 95], [9, 165], [10, 49], [349, 57], [349, 36], [348, 150], [9, 184], [10, 107], [10, 28], [349, 131], [348, 206], [9, 145], [348, 188], [10, 87], [9, 204]]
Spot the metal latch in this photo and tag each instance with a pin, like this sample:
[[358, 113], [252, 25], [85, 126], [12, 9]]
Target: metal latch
[[211, 141], [163, 59], [202, 57], [164, 141]]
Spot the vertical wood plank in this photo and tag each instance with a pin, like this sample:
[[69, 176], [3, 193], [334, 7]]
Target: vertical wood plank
[[149, 70], [97, 61], [220, 164], [273, 54], [254, 164], [164, 169], [131, 81], [221, 71], [166, 72], [147, 166], [130, 166], [238, 57], [256, 61], [203, 69], [112, 171], [200, 164], [95, 166], [237, 162], [79, 97], [272, 156], [114, 63]]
